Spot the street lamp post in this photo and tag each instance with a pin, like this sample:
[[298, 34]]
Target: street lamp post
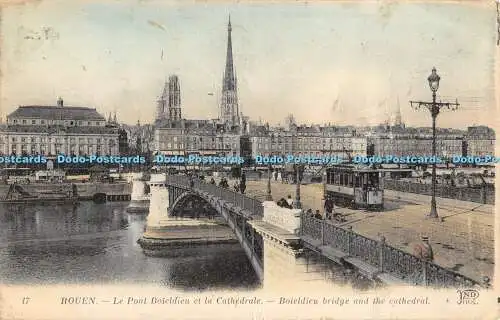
[[269, 196], [434, 85], [297, 204], [434, 108]]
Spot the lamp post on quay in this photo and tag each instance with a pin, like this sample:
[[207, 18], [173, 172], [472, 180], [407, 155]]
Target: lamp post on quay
[[298, 172], [269, 196], [434, 108]]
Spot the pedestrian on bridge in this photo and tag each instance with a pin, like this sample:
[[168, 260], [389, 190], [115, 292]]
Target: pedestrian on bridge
[[289, 200], [318, 215], [329, 208], [423, 250], [243, 185], [282, 203], [223, 183]]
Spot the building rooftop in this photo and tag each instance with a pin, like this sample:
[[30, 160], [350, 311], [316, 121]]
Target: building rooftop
[[56, 113], [54, 129], [481, 131]]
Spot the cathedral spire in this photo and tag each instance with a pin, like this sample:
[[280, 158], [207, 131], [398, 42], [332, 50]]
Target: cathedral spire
[[229, 110], [229, 77]]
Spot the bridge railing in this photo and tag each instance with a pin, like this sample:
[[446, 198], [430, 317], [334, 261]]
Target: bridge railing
[[236, 198], [381, 255]]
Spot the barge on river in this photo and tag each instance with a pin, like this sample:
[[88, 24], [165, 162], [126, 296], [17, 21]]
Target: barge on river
[[17, 195]]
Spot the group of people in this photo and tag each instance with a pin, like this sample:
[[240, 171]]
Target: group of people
[[316, 215], [238, 186], [222, 183], [329, 207], [285, 203], [329, 215]]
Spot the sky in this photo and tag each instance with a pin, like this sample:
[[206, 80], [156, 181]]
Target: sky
[[336, 62]]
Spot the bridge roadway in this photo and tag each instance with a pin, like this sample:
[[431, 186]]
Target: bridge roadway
[[463, 241]]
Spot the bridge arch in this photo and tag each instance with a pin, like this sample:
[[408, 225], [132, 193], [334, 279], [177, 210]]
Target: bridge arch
[[188, 197], [236, 217]]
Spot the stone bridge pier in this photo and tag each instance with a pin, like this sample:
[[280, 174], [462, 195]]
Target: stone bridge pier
[[287, 264], [139, 199], [159, 200]]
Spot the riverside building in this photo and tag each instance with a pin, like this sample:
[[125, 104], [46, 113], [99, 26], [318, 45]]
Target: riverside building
[[479, 141], [59, 129]]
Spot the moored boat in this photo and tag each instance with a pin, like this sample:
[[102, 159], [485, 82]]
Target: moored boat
[[17, 195]]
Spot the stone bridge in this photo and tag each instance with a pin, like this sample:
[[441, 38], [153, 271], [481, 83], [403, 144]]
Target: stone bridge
[[168, 196], [284, 244]]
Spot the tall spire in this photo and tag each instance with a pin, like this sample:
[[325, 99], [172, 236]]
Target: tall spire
[[229, 110], [229, 76]]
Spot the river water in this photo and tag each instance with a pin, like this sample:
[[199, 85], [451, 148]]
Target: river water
[[96, 244]]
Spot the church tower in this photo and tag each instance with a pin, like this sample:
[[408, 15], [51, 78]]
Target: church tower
[[168, 105], [229, 111], [174, 98], [161, 103]]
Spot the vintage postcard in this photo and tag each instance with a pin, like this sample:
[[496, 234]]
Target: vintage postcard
[[248, 160]]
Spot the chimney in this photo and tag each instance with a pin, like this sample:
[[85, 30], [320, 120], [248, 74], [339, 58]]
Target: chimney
[[59, 102]]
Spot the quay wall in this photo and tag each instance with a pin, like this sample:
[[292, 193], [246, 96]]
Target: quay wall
[[89, 189]]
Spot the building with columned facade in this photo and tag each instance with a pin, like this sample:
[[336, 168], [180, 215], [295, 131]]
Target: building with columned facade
[[59, 129]]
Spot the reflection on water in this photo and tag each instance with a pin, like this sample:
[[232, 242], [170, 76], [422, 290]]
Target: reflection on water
[[96, 243], [220, 263]]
